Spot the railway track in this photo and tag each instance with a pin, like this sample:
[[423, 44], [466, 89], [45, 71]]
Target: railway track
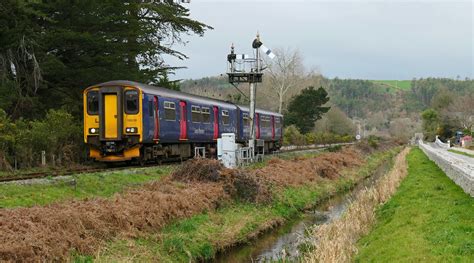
[[39, 175]]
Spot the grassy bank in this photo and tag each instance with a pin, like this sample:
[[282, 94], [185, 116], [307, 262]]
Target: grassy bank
[[103, 184], [203, 235], [429, 219], [336, 241]]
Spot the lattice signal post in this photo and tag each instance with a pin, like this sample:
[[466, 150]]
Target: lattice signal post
[[244, 69]]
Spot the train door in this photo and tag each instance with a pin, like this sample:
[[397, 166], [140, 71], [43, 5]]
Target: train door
[[183, 134], [110, 116], [110, 113], [156, 118], [257, 124], [273, 127], [216, 122]]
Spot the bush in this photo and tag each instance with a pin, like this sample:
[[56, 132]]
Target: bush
[[373, 141], [334, 148], [292, 136], [58, 134], [7, 140]]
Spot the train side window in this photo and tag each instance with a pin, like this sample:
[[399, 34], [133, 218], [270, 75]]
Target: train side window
[[195, 113], [264, 122], [131, 102], [225, 117], [93, 102], [206, 115], [268, 122], [170, 111], [246, 119], [277, 122]]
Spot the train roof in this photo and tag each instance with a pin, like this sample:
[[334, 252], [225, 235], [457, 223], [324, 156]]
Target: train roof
[[178, 95]]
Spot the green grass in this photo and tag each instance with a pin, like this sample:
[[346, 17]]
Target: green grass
[[461, 152], [87, 185], [394, 85], [429, 219], [201, 236]]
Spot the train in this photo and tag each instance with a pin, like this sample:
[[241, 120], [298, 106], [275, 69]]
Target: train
[[127, 121]]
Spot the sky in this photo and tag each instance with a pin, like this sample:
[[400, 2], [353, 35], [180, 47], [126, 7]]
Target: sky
[[346, 39]]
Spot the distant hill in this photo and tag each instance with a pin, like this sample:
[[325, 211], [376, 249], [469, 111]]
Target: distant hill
[[356, 97]]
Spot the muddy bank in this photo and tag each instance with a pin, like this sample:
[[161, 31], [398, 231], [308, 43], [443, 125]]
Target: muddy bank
[[52, 233]]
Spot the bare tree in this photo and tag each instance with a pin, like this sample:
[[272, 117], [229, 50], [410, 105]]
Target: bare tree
[[285, 71], [335, 121], [403, 128], [462, 111]]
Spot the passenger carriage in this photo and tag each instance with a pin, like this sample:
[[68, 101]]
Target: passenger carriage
[[125, 120]]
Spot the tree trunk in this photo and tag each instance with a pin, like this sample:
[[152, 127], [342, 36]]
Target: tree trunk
[[280, 104]]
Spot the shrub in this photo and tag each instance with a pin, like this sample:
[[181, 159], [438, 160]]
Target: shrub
[[373, 141], [7, 140], [292, 136], [58, 134]]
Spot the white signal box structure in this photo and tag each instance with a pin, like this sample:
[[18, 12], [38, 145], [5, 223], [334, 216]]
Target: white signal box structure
[[226, 150]]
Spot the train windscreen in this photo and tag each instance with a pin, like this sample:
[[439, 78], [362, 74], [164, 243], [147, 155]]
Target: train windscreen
[[93, 102]]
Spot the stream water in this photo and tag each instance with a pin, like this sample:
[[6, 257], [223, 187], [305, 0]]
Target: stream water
[[286, 241]]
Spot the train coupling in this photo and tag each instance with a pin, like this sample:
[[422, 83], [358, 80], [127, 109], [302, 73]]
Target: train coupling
[[110, 147]]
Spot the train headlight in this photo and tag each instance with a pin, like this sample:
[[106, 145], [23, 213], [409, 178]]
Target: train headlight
[[131, 130], [93, 130]]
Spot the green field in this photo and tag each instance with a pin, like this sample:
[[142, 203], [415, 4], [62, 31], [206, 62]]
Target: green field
[[429, 219], [395, 84]]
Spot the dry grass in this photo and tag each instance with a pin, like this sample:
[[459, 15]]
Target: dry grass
[[301, 171], [336, 242], [238, 184], [49, 233]]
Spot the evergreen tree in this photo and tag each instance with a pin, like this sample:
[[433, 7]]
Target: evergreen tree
[[165, 82], [430, 123], [20, 73], [72, 45], [306, 108]]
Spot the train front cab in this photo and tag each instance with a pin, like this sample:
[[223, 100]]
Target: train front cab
[[113, 122]]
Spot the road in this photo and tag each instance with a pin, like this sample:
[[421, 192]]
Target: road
[[457, 158]]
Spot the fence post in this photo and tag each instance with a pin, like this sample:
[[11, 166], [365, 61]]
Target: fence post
[[43, 158]]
